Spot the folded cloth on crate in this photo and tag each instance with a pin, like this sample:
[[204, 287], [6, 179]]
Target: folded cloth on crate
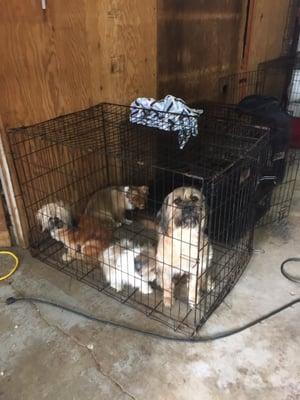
[[168, 114]]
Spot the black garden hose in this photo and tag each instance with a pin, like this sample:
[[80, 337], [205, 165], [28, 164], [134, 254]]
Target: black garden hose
[[194, 339]]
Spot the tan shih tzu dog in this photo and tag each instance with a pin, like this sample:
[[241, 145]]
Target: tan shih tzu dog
[[183, 247], [126, 263], [110, 204]]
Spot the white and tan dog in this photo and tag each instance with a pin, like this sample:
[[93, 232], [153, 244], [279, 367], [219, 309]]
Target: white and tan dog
[[54, 215], [127, 264], [183, 247]]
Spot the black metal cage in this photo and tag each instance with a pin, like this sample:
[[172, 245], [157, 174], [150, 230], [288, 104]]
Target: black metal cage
[[271, 78], [250, 97], [189, 239], [277, 168]]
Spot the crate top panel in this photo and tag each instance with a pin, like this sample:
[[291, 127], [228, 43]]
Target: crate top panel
[[205, 145]]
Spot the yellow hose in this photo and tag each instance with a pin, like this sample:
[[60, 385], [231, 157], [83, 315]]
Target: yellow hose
[[13, 270]]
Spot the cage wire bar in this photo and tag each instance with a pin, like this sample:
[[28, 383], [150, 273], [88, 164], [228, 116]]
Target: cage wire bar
[[290, 28], [271, 78], [277, 168], [67, 160], [277, 78]]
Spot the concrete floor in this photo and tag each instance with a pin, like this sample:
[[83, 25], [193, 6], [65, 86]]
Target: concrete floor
[[49, 354]]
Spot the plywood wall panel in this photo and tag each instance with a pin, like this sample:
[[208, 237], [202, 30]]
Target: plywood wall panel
[[25, 49], [126, 50], [267, 31], [81, 52], [75, 54], [197, 42], [69, 33]]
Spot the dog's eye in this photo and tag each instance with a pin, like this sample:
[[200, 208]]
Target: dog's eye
[[194, 198], [177, 201]]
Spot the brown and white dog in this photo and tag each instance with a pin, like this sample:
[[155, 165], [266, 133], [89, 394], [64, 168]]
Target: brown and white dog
[[126, 263], [110, 204], [87, 241], [183, 247], [54, 215]]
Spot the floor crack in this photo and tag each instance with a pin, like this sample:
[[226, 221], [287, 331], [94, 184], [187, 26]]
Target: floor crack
[[78, 343]]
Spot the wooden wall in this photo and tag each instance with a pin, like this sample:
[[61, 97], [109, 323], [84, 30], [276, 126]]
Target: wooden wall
[[75, 54], [78, 53], [267, 29], [198, 41]]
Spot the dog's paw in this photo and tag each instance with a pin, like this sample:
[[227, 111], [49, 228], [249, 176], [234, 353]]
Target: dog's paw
[[146, 289], [168, 301], [117, 287], [192, 304], [210, 285], [66, 257]]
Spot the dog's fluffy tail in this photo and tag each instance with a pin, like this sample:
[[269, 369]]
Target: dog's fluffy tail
[[50, 214]]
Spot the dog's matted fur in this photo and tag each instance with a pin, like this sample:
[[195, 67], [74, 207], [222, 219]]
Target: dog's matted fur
[[183, 247], [52, 214], [126, 263], [87, 241], [110, 204]]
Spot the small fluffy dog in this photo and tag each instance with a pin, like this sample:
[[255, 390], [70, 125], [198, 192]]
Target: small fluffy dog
[[183, 247], [88, 240], [110, 204], [127, 264], [54, 215]]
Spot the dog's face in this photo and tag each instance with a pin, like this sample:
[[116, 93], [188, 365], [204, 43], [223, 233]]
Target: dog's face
[[184, 207], [54, 215], [138, 196], [55, 223]]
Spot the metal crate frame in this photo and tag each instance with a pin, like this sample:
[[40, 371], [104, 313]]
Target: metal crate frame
[[72, 156]]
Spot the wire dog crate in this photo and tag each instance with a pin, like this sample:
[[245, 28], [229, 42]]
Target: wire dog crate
[[278, 170], [271, 78], [188, 243]]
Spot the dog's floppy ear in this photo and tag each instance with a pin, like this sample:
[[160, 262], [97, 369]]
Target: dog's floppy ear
[[162, 217]]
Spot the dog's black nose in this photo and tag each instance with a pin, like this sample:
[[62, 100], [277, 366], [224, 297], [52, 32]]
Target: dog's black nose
[[58, 223], [55, 223], [188, 209]]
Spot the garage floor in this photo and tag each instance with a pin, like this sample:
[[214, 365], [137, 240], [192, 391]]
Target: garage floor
[[49, 354]]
